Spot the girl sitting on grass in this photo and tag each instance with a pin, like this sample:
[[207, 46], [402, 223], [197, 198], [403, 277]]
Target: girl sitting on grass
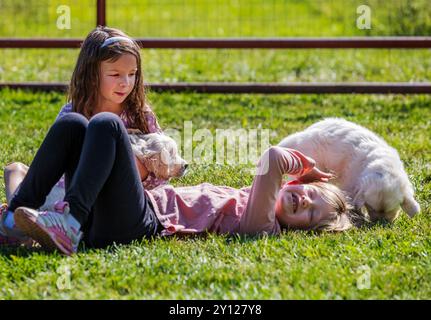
[[106, 90], [105, 201]]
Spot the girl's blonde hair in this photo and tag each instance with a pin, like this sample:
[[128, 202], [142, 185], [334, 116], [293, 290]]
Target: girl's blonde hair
[[339, 219], [84, 85]]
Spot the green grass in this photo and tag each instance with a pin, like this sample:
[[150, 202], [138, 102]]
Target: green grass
[[295, 265], [236, 66], [225, 18]]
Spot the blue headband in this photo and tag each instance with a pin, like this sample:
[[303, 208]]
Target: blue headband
[[108, 41]]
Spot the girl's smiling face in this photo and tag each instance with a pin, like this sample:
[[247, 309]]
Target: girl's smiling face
[[301, 206], [117, 80]]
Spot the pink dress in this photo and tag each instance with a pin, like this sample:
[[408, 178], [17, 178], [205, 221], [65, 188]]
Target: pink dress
[[221, 209]]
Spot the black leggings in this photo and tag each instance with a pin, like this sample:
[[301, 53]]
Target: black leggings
[[103, 186]]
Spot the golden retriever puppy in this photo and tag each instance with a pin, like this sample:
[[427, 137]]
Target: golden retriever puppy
[[365, 166], [159, 154]]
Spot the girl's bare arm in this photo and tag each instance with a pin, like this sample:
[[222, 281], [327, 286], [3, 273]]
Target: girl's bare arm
[[259, 216]]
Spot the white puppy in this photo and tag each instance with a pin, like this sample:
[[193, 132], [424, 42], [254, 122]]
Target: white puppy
[[365, 166], [159, 153]]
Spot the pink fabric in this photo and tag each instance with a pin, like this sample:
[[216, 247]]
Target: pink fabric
[[153, 125], [200, 208], [221, 209]]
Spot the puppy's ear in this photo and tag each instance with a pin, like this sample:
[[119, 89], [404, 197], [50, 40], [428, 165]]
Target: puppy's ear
[[148, 153], [358, 200], [150, 147], [410, 206], [369, 183], [164, 156]]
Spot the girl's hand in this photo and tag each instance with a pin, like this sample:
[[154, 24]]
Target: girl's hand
[[312, 173], [315, 175]]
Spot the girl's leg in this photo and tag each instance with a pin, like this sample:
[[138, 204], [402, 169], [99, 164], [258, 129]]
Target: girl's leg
[[59, 153], [14, 174], [107, 185]]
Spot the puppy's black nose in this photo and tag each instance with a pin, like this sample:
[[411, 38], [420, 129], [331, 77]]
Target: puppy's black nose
[[186, 166]]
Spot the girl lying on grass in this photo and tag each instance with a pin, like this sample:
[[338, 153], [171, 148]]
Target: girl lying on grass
[[267, 207]]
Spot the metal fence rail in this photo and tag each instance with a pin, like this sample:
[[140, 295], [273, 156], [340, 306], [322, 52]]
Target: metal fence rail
[[245, 43], [259, 88], [240, 43]]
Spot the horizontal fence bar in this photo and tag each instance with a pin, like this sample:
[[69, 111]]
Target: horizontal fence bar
[[264, 88], [239, 43]]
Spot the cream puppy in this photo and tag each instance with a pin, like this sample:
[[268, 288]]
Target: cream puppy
[[159, 153], [365, 166]]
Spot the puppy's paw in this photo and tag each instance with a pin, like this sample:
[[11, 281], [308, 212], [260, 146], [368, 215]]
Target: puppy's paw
[[410, 206]]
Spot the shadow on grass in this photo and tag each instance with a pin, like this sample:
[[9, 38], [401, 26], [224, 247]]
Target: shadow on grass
[[22, 251], [19, 251], [26, 251], [364, 226]]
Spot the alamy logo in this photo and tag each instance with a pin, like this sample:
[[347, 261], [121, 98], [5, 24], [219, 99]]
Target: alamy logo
[[63, 21], [63, 281], [224, 146], [364, 279], [364, 20]]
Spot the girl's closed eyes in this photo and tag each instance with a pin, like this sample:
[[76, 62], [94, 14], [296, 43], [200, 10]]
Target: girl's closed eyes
[[311, 216]]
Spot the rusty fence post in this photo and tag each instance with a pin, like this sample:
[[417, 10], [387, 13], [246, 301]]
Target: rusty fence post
[[101, 12]]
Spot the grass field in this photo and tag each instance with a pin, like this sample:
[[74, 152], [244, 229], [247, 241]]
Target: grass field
[[296, 265]]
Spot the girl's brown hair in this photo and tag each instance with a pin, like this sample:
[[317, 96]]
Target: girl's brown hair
[[84, 85]]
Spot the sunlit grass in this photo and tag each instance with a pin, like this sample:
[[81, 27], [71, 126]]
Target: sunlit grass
[[296, 265]]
